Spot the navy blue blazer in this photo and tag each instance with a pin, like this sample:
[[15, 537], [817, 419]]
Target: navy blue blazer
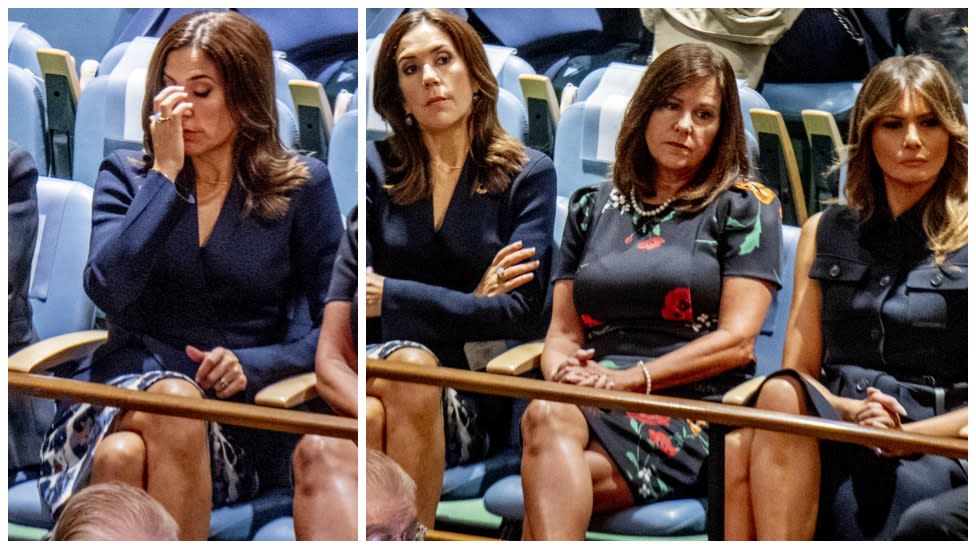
[[430, 275], [161, 291]]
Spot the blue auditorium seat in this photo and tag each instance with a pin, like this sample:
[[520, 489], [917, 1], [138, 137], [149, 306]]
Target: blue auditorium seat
[[26, 124], [791, 99], [22, 46], [343, 160], [59, 306], [110, 107]]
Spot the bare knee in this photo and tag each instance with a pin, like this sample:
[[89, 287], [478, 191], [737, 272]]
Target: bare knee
[[781, 395], [319, 461], [119, 454], [544, 419], [375, 423], [177, 434], [414, 356]]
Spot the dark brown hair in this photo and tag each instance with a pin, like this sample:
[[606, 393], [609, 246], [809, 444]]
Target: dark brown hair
[[497, 156], [242, 53], [726, 164], [945, 216]]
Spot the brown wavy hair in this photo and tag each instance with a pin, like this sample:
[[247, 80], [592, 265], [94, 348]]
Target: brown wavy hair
[[945, 206], [728, 161], [497, 156], [242, 52]]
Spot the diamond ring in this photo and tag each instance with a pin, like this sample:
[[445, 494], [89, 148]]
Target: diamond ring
[[158, 118]]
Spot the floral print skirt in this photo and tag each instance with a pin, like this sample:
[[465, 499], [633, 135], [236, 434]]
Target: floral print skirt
[[661, 457], [68, 450]]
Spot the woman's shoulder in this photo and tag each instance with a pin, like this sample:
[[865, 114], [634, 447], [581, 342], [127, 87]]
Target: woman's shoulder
[[537, 161], [749, 194]]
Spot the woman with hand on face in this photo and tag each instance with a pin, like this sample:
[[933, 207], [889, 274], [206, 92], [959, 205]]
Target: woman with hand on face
[[663, 279], [201, 245], [459, 220], [878, 329]]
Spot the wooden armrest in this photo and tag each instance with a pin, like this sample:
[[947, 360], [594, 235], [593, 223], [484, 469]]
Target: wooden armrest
[[309, 93], [56, 350], [289, 392], [517, 360], [537, 86], [60, 63], [739, 394], [771, 122]]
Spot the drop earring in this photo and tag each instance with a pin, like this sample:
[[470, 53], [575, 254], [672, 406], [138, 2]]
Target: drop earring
[[408, 120]]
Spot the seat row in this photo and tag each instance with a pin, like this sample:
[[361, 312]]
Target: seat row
[[69, 124]]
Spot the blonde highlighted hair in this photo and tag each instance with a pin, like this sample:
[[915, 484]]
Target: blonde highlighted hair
[[945, 207]]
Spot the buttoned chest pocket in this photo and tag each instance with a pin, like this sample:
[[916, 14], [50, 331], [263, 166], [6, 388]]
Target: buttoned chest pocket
[[840, 280], [934, 297]]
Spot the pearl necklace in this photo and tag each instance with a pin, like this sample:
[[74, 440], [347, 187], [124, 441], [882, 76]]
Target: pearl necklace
[[639, 207]]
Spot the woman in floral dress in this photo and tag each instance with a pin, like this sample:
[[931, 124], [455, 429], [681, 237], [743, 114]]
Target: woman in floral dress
[[663, 280]]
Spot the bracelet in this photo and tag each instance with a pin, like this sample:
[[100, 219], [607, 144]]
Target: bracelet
[[647, 378]]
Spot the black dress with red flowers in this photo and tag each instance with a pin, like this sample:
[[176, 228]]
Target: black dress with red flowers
[[646, 285]]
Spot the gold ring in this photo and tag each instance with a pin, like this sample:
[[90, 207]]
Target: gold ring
[[158, 118]]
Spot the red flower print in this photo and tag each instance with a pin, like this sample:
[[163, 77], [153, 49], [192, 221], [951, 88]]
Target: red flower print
[[662, 442], [629, 239], [590, 322], [677, 305], [649, 419], [651, 243]]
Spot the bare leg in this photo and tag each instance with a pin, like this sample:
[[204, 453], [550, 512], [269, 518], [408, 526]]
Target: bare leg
[[375, 424], [739, 522], [176, 464], [556, 480], [785, 478], [413, 429], [325, 503], [120, 457]]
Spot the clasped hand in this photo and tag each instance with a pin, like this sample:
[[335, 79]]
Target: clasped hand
[[582, 370], [882, 411]]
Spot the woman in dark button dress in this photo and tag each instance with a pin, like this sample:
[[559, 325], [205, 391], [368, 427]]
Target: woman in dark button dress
[[201, 245], [877, 333], [664, 277], [459, 221]]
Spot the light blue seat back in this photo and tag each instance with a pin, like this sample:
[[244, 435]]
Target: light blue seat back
[[790, 99], [26, 114], [772, 335], [507, 67], [22, 45], [587, 133], [342, 161], [57, 296], [110, 108]]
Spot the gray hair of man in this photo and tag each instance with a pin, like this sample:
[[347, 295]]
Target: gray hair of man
[[112, 511]]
